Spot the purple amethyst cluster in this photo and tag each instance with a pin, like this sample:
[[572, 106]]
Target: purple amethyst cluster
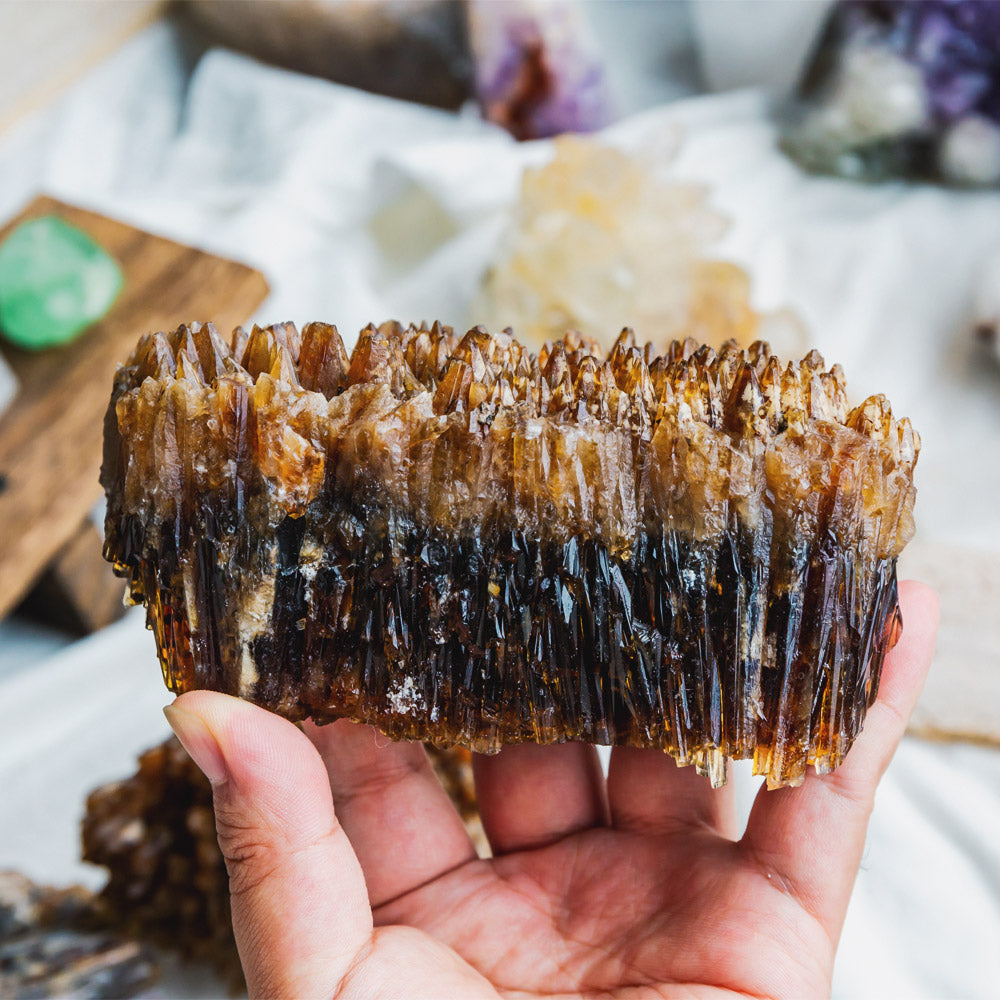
[[904, 87], [538, 69], [956, 44]]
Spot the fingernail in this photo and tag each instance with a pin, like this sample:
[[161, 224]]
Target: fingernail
[[199, 742]]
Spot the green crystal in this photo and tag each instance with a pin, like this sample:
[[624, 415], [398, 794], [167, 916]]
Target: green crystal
[[55, 281]]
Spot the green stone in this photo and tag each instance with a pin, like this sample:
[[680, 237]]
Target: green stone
[[55, 281]]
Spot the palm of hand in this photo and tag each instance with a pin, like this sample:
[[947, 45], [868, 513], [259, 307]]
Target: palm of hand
[[614, 914], [352, 874]]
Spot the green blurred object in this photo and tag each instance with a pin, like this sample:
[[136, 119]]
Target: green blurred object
[[55, 281]]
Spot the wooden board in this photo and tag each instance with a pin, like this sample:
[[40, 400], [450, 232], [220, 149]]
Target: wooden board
[[50, 438], [78, 592]]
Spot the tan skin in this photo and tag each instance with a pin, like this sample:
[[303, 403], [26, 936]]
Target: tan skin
[[353, 877]]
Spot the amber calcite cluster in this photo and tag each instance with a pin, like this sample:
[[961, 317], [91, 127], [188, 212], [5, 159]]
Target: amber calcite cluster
[[457, 540]]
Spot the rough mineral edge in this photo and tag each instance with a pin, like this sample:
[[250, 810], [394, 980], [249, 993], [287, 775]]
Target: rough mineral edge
[[457, 540]]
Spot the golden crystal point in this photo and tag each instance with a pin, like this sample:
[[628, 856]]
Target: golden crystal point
[[458, 540]]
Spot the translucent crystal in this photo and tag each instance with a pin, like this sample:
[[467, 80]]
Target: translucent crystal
[[460, 541], [601, 237]]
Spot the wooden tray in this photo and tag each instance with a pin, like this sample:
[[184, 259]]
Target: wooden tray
[[50, 437]]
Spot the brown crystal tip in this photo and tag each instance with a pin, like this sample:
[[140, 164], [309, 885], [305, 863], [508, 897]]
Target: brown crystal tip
[[456, 540]]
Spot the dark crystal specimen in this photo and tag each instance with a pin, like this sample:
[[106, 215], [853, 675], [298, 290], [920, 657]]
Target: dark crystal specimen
[[456, 540]]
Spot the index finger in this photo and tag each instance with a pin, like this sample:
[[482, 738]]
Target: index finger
[[300, 906], [811, 839]]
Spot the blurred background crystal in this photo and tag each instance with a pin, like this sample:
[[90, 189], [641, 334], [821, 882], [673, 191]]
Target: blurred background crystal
[[901, 87], [55, 282], [538, 68], [533, 66], [602, 239]]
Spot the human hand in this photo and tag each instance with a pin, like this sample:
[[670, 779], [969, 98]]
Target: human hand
[[352, 875]]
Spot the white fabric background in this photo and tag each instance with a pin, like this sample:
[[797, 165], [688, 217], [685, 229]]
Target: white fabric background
[[315, 184]]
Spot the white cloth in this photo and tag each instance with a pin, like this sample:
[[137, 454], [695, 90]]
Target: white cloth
[[357, 208]]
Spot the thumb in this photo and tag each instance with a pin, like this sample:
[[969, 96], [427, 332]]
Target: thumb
[[300, 906]]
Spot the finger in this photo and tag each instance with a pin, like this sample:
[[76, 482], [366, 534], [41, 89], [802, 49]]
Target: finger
[[812, 838], [300, 908], [649, 793], [403, 826], [532, 795]]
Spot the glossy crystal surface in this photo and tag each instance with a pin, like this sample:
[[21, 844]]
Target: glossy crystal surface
[[459, 541]]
